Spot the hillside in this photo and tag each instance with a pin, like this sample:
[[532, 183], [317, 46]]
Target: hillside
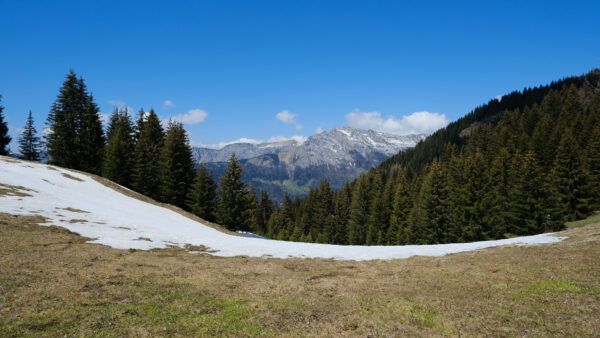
[[337, 155], [83, 205], [519, 166]]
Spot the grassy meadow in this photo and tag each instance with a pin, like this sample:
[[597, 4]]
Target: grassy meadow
[[52, 284]]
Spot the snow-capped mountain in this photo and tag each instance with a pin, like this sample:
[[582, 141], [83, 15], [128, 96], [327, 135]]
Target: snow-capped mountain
[[339, 154]]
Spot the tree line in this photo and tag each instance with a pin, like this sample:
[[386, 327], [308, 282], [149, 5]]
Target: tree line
[[521, 165]]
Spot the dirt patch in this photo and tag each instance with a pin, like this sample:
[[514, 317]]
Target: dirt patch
[[144, 239], [120, 228], [77, 221], [14, 190], [72, 177], [76, 210]]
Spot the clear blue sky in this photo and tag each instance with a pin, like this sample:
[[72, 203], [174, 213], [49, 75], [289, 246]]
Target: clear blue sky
[[244, 62]]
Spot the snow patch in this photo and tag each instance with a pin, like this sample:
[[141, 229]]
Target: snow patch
[[123, 222]]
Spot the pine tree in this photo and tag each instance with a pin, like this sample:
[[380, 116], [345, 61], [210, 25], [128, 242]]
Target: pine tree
[[4, 138], [233, 211], [401, 206], [376, 219], [265, 209], [147, 157], [342, 214], [118, 162], [76, 139], [593, 163], [569, 183], [29, 142], [359, 212], [176, 166], [202, 197]]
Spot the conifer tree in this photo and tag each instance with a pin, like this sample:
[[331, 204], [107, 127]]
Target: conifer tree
[[4, 138], [176, 166], [233, 211], [593, 163], [118, 162], [147, 157], [569, 183], [76, 139], [359, 212], [265, 209], [29, 142], [401, 206], [342, 214], [376, 216], [202, 197]]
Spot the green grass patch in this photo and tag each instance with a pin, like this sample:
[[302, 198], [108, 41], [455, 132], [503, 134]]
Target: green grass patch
[[595, 218]]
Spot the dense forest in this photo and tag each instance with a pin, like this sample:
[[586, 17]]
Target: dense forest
[[521, 165]]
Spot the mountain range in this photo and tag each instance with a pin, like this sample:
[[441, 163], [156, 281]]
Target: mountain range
[[337, 155]]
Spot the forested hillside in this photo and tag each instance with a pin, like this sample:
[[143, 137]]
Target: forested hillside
[[522, 165]]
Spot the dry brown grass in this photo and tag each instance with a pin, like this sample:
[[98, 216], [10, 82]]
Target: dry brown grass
[[52, 284]]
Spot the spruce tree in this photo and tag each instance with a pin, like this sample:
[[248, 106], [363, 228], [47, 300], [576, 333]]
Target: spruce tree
[[76, 139], [359, 212], [4, 138], [233, 211], [147, 157], [202, 197], [342, 214], [265, 209], [401, 206], [376, 219], [569, 183], [593, 163], [118, 161], [29, 142], [176, 166]]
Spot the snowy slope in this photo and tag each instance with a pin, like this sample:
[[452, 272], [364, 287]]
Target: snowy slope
[[123, 222]]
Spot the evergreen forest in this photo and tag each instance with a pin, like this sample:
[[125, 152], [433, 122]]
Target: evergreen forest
[[520, 165]]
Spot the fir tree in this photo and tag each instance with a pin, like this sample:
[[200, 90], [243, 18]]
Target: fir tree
[[202, 197], [4, 138], [176, 166], [147, 157], [569, 183], [265, 209], [76, 139], [118, 161], [401, 206], [593, 163], [359, 212], [29, 142], [233, 211]]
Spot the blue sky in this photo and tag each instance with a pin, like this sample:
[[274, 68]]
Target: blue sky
[[264, 69]]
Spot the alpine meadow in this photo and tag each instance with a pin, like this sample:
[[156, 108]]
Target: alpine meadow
[[307, 169]]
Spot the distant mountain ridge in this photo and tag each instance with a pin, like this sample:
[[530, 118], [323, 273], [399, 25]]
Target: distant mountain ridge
[[339, 154]]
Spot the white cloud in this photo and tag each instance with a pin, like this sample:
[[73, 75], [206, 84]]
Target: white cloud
[[193, 116], [168, 104], [498, 97], [105, 119], [319, 130], [288, 118], [422, 122]]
